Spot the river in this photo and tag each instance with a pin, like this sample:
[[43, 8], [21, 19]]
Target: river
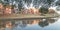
[[35, 24]]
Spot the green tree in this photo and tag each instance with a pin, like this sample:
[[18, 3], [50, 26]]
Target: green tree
[[19, 7], [43, 10], [58, 3], [50, 1], [1, 1], [13, 6]]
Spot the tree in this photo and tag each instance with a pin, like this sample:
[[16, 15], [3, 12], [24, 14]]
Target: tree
[[12, 6], [50, 1], [1, 1], [20, 5], [58, 3], [43, 10]]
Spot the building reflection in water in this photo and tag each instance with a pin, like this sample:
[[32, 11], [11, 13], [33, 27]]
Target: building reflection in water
[[24, 23]]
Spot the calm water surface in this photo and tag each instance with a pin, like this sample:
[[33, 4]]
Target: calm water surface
[[36, 24]]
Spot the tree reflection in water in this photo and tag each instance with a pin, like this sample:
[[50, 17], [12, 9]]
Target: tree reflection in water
[[43, 23], [24, 23], [51, 20], [46, 22], [40, 22]]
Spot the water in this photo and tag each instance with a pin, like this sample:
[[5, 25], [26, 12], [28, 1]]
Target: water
[[36, 24], [32, 24]]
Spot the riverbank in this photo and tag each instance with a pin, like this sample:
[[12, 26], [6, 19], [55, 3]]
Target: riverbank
[[21, 16]]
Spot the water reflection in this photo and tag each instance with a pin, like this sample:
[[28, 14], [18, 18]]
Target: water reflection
[[46, 22], [19, 24], [42, 24]]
